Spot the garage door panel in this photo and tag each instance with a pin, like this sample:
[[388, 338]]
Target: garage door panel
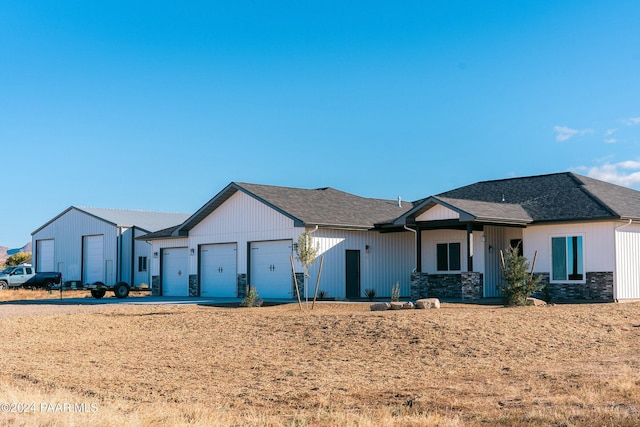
[[45, 255], [93, 259], [175, 276], [271, 268], [218, 265]]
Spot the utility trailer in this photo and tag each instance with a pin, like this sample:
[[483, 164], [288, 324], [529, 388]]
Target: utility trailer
[[120, 289]]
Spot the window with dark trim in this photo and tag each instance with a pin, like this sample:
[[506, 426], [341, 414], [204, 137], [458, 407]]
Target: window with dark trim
[[448, 256], [142, 263], [567, 262]]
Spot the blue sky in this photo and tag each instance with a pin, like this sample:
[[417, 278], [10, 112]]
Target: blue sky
[[159, 105]]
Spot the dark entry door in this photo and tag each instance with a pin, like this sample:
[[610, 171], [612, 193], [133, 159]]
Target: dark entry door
[[353, 274]]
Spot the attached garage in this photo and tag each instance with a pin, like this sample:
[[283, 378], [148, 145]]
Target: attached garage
[[218, 268], [175, 276], [270, 268]]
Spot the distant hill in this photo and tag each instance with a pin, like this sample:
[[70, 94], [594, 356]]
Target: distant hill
[[6, 252]]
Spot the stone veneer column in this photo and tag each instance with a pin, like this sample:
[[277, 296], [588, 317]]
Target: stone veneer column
[[419, 285], [155, 285], [471, 286], [193, 285], [241, 283]]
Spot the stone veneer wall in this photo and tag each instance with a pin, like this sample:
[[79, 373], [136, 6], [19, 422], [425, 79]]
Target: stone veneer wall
[[598, 287], [155, 285], [465, 286]]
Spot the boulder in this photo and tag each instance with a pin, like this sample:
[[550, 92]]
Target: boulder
[[380, 306], [535, 301], [397, 305], [428, 303]]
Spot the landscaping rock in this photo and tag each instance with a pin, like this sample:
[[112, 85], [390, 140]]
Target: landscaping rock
[[380, 306], [428, 303], [535, 301], [396, 305]]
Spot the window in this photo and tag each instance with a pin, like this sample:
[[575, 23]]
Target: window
[[448, 256], [567, 262], [142, 263]]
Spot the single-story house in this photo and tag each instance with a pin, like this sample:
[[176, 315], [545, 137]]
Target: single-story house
[[89, 245], [584, 235], [245, 235]]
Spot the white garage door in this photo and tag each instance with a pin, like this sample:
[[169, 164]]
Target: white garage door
[[271, 269], [93, 259], [218, 270], [175, 276], [44, 251]]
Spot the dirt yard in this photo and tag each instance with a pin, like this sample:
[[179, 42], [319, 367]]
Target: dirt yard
[[340, 364]]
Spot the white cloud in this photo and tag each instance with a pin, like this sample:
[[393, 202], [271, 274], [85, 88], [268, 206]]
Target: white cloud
[[607, 136], [631, 121], [625, 173], [564, 133]]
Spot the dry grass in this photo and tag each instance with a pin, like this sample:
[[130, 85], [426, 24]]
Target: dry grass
[[462, 365]]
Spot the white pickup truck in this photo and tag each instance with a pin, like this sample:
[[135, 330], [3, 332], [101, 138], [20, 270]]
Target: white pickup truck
[[25, 276]]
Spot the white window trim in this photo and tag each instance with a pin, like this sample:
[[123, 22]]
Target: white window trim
[[584, 260]]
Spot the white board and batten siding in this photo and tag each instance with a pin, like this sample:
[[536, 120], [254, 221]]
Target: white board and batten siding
[[627, 278], [67, 233], [389, 259], [438, 212]]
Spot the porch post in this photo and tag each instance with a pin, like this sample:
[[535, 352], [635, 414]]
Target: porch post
[[418, 249], [469, 259]]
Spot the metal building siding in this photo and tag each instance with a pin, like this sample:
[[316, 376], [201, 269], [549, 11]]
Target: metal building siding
[[627, 277], [141, 248], [68, 231], [390, 259]]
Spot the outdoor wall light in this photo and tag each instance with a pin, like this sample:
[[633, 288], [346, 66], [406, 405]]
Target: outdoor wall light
[[490, 249], [155, 254], [366, 248], [192, 251], [483, 238]]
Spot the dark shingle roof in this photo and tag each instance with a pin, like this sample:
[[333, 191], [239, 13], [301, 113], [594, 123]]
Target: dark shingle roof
[[326, 207], [555, 197]]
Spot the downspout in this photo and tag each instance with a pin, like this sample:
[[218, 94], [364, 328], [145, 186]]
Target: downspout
[[415, 245], [624, 225]]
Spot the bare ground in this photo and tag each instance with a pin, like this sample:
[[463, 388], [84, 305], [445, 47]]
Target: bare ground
[[339, 364]]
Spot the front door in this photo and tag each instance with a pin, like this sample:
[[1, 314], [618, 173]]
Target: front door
[[353, 273]]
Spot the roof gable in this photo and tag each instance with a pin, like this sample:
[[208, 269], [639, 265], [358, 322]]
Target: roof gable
[[324, 207], [145, 220]]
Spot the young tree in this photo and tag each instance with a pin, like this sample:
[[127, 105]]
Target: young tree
[[17, 258], [306, 253], [518, 283]]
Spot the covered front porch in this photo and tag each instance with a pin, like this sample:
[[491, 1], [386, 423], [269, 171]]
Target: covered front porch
[[458, 244]]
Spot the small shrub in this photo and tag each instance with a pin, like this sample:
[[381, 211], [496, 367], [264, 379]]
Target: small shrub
[[322, 294], [395, 292], [250, 298], [370, 293]]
